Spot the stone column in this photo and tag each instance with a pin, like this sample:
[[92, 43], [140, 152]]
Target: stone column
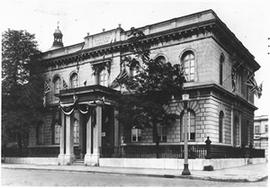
[[69, 157], [232, 127], [240, 129], [116, 128], [61, 156], [88, 155], [97, 136]]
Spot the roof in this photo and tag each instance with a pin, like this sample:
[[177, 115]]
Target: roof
[[117, 35]]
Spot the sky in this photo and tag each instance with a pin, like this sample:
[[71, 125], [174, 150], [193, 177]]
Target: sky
[[249, 20]]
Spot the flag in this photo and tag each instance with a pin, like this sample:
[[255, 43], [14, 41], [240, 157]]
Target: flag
[[123, 75], [251, 82], [65, 86], [47, 89]]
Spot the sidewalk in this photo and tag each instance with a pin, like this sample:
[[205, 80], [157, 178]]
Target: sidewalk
[[249, 173]]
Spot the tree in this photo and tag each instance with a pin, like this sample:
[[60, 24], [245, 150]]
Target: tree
[[21, 89], [153, 86]]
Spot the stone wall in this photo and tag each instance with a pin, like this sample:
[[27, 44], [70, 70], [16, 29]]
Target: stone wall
[[206, 119], [46, 130]]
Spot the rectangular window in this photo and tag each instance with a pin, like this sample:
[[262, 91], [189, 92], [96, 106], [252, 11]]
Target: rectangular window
[[136, 135], [103, 78], [76, 133], [257, 129], [39, 134], [162, 134], [57, 129], [266, 128]]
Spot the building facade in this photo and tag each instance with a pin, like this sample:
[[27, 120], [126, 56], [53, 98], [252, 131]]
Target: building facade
[[79, 77], [261, 133]]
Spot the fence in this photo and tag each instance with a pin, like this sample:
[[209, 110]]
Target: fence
[[162, 151], [177, 151]]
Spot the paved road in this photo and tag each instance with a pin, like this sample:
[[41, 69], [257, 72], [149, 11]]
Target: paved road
[[19, 177]]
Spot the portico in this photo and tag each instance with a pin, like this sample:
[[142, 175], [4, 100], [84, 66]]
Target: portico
[[86, 107]]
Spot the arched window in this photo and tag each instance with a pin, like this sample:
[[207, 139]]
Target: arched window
[[160, 59], [76, 133], [57, 84], [189, 119], [188, 62], [74, 80], [220, 126], [221, 61], [57, 128]]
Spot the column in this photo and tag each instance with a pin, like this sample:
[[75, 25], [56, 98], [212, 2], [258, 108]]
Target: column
[[97, 136], [116, 128], [69, 157], [240, 129], [232, 127], [88, 155], [61, 156]]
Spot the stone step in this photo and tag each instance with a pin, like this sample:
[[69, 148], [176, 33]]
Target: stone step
[[78, 163]]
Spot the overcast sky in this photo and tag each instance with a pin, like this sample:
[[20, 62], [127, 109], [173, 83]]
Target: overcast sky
[[248, 20]]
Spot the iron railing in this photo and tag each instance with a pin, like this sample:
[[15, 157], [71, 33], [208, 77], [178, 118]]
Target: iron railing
[[177, 151]]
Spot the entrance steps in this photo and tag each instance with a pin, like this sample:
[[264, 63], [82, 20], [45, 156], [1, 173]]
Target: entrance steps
[[78, 162]]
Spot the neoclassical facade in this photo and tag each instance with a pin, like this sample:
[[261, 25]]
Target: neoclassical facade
[[81, 106]]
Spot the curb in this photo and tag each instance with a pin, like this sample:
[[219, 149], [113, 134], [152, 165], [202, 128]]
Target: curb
[[206, 178]]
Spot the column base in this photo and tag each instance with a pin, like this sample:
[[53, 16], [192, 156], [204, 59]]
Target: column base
[[186, 170], [61, 159], [69, 158], [88, 160], [95, 159], [91, 160]]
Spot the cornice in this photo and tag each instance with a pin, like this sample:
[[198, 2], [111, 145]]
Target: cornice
[[234, 97], [228, 38], [123, 46]]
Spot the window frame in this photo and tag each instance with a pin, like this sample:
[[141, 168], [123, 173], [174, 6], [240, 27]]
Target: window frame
[[188, 57], [220, 126], [162, 133], [57, 133], [103, 77], [72, 80], [221, 63], [76, 132], [137, 133], [57, 84], [257, 129], [39, 134], [190, 126]]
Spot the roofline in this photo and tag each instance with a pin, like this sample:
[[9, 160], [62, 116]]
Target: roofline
[[218, 22]]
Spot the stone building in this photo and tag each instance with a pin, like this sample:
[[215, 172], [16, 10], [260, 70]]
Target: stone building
[[261, 133], [78, 79]]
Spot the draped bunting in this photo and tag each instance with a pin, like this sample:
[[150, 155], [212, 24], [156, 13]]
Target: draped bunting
[[84, 109]]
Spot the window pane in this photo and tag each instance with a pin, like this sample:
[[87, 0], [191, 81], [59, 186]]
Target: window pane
[[191, 77], [74, 80], [192, 70], [192, 136]]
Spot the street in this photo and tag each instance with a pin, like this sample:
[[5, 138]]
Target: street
[[21, 177]]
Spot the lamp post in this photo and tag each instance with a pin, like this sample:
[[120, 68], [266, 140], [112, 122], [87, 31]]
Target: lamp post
[[185, 98]]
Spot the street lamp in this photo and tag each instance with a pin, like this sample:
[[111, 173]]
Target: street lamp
[[185, 98]]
